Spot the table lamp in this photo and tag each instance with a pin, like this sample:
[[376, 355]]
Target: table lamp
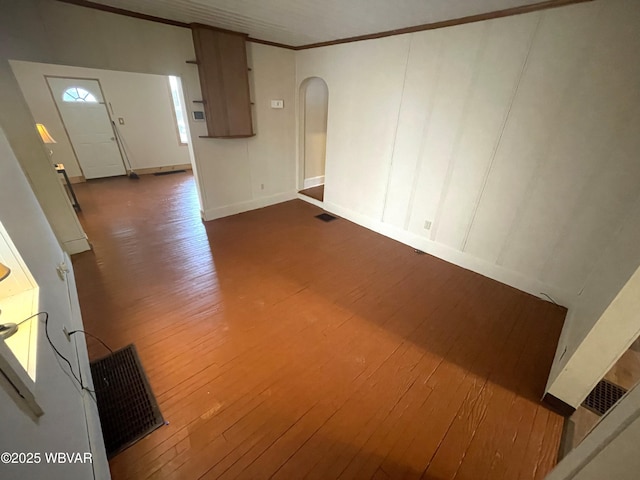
[[45, 136], [6, 329]]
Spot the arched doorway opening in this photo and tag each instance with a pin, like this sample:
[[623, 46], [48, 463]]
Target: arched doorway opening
[[314, 105]]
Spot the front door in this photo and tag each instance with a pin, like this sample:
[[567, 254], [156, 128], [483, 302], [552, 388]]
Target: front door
[[84, 114]]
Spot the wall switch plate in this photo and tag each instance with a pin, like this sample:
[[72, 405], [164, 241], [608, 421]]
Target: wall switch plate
[[277, 103], [198, 116], [427, 224]]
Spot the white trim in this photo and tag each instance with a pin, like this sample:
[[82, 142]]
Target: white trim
[[18, 384], [225, 211], [457, 257], [611, 336], [311, 200], [100, 464], [616, 421], [78, 245], [313, 182]]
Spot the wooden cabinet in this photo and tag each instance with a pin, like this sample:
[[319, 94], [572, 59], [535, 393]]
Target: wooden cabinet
[[221, 57]]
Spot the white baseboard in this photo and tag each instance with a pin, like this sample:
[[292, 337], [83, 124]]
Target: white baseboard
[[313, 182], [78, 179], [225, 211], [168, 168], [310, 200], [99, 463], [76, 246], [457, 257]]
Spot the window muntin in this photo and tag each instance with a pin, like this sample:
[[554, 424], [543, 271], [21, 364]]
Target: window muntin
[[78, 94]]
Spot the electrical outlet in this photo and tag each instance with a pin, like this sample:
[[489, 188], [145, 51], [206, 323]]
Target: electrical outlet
[[66, 333], [62, 270], [277, 103], [427, 224]]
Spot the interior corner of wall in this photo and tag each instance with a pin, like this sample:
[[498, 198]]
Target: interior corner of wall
[[566, 387], [214, 213], [563, 350], [559, 361]]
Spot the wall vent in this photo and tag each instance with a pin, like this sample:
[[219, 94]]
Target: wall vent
[[603, 397]]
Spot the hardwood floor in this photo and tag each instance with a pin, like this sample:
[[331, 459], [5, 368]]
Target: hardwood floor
[[314, 192], [280, 346]]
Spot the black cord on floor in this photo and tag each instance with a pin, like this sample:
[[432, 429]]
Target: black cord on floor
[[552, 300], [92, 336]]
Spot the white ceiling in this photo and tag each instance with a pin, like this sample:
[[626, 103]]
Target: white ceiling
[[300, 22]]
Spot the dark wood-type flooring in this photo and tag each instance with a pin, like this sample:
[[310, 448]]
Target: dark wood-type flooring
[[314, 192], [280, 346]]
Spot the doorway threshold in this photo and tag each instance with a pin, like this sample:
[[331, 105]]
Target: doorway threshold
[[303, 195], [316, 193]]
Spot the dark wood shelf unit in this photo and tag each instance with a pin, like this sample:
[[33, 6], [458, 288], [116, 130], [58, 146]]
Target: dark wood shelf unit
[[224, 79]]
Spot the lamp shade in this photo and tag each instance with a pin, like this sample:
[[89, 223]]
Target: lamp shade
[[44, 133], [4, 271]]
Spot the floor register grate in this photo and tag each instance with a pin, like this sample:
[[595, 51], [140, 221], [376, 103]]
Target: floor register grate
[[603, 397], [326, 217], [126, 404]]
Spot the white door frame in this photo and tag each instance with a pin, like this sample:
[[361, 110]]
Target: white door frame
[[302, 131]]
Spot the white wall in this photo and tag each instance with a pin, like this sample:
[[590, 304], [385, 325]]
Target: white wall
[[316, 97], [588, 324], [619, 459], [18, 123], [233, 175], [597, 342], [63, 426], [610, 451], [143, 100], [516, 137], [242, 174]]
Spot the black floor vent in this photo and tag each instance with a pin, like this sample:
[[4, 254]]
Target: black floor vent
[[325, 217], [128, 409], [603, 397]]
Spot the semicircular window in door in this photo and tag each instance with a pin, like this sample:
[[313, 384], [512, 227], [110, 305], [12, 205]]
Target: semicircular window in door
[[77, 94]]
